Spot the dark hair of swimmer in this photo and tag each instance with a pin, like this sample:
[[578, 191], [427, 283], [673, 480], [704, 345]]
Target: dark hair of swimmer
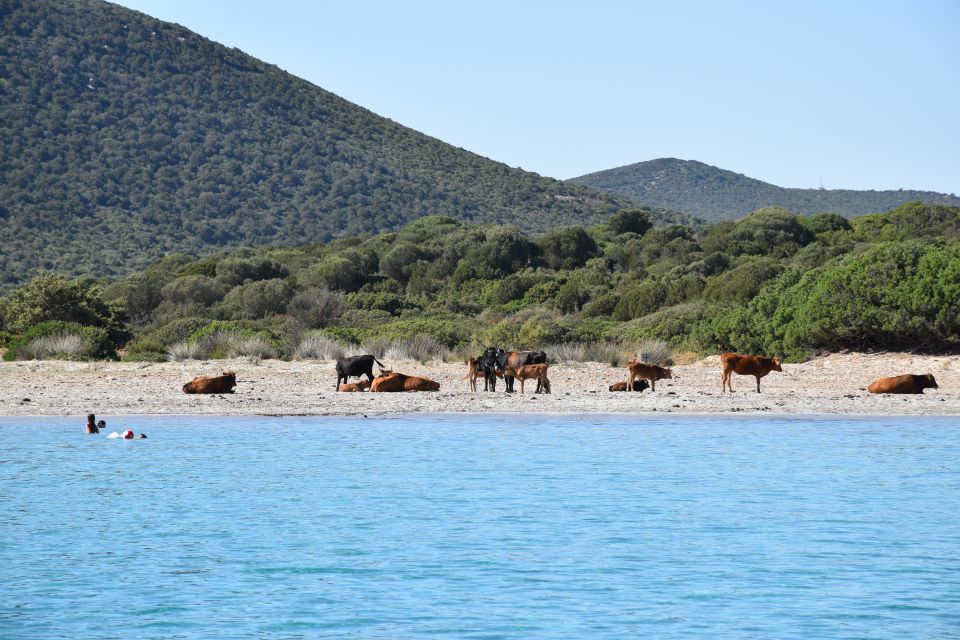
[[101, 424], [91, 424], [142, 436]]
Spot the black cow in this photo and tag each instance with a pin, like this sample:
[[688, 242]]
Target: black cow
[[518, 359], [355, 366], [490, 364]]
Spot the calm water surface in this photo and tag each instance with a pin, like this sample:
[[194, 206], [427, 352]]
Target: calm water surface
[[481, 527]]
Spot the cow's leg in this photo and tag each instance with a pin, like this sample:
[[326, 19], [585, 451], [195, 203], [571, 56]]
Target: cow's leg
[[653, 385], [546, 385], [338, 382], [521, 385], [758, 384], [629, 381]]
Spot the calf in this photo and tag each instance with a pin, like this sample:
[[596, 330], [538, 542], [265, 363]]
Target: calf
[[474, 371], [642, 370], [757, 366], [518, 359], [354, 387], [396, 382], [525, 372], [355, 366], [212, 384], [638, 385], [909, 383]]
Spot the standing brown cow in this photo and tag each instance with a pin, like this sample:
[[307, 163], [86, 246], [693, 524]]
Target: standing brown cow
[[525, 372], [212, 384], [651, 372], [909, 383], [757, 366]]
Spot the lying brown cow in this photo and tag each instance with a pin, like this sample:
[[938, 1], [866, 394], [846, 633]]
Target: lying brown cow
[[396, 382], [212, 384], [638, 385], [355, 386], [536, 372], [756, 366], [651, 372], [908, 383]]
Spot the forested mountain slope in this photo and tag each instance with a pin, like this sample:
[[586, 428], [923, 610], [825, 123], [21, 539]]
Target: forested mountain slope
[[124, 138], [715, 194]]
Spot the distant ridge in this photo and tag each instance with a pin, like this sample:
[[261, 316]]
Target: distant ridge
[[124, 138], [715, 194]]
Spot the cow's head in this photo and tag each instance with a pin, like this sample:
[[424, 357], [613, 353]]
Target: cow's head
[[776, 364], [931, 382]]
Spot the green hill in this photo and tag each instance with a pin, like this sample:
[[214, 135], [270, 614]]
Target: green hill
[[124, 138], [714, 194]]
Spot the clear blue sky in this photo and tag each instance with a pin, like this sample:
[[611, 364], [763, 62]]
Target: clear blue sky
[[861, 95]]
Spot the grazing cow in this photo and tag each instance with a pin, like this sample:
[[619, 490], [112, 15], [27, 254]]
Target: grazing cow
[[396, 382], [212, 384], [638, 385], [909, 383], [518, 359], [490, 363], [474, 371], [354, 387], [757, 366], [355, 366], [524, 372], [651, 372]]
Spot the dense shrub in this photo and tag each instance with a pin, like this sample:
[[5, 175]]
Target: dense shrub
[[672, 324], [740, 284], [316, 308], [52, 298], [96, 342], [630, 221], [333, 272], [194, 289], [567, 248], [232, 272], [256, 300]]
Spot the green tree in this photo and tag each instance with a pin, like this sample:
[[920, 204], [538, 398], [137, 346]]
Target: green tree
[[567, 248], [630, 221]]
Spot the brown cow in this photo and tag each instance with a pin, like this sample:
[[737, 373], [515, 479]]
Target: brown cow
[[651, 372], [757, 366], [397, 382], [536, 372], [474, 371], [212, 384], [638, 385], [355, 386], [909, 383]]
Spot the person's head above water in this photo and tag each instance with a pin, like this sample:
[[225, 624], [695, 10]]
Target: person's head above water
[[101, 424], [142, 436], [91, 423]]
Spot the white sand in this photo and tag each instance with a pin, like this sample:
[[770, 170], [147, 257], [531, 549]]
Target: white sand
[[834, 384]]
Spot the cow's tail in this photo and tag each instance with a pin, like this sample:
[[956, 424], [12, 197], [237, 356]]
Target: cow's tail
[[382, 366]]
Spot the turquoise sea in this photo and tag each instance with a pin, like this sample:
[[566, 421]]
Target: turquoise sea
[[481, 526]]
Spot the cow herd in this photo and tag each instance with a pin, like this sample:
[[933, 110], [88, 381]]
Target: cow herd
[[495, 363]]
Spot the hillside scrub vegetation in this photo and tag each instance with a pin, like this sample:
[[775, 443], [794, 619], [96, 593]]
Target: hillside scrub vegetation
[[124, 138], [772, 283], [714, 194]]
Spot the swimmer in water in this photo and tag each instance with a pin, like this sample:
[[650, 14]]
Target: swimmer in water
[[91, 424]]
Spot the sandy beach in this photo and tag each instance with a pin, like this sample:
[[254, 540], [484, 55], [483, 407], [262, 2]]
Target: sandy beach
[[834, 384]]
